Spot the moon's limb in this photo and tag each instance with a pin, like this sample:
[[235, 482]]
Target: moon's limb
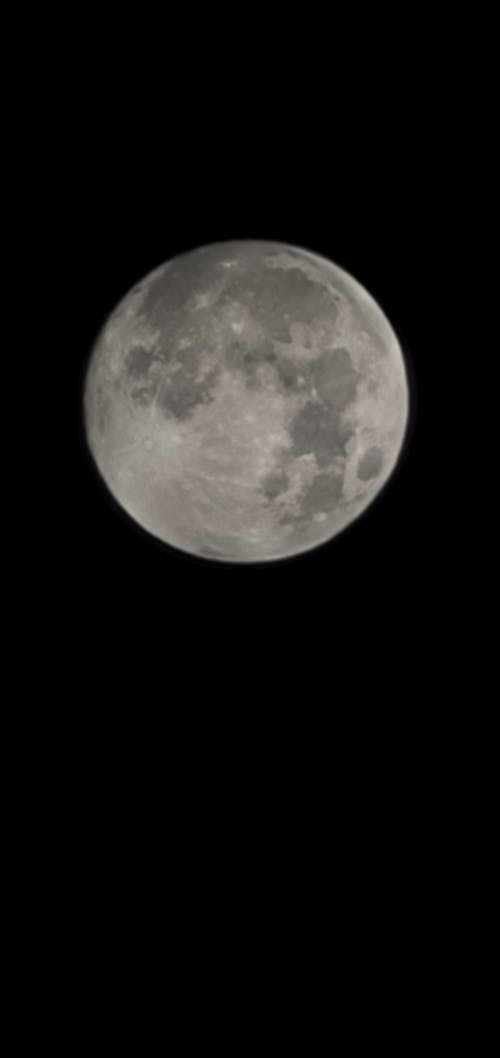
[[246, 401]]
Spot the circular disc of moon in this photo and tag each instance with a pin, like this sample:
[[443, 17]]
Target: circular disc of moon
[[246, 401]]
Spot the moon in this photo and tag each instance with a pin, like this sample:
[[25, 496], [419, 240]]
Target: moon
[[246, 401]]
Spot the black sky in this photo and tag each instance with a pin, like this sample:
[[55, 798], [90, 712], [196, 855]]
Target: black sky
[[274, 764]]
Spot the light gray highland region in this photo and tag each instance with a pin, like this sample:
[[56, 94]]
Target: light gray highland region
[[246, 401]]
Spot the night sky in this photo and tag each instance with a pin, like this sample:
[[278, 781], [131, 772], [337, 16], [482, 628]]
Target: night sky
[[290, 765]]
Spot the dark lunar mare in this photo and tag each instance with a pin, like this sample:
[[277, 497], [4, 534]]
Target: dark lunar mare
[[318, 429], [138, 361], [370, 464], [277, 297], [335, 377], [180, 395]]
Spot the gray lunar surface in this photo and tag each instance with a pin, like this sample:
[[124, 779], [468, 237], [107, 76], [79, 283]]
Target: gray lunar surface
[[246, 401]]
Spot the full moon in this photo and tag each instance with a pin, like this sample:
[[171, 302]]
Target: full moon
[[246, 401]]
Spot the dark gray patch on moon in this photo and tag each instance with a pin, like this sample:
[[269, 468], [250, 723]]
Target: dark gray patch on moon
[[249, 357], [102, 409], [335, 377], [289, 374], [181, 393], [370, 464], [143, 395], [274, 483], [280, 296], [190, 357], [282, 293], [323, 493], [169, 292], [138, 361], [318, 428]]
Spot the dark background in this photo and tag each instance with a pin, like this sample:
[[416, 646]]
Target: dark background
[[284, 766]]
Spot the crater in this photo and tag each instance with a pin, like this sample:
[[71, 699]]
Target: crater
[[370, 464]]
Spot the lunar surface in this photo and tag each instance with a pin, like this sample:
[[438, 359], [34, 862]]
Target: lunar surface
[[246, 401]]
